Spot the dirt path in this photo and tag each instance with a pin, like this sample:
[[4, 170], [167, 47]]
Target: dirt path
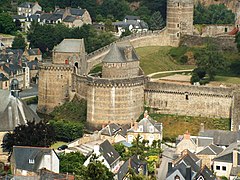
[[164, 72]]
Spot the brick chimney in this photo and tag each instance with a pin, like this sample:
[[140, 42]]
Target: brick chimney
[[202, 127], [186, 135], [145, 114], [128, 52], [135, 126]]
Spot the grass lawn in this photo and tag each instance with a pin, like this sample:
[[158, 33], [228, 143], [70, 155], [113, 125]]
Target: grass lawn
[[57, 144], [174, 125], [156, 58], [227, 79]]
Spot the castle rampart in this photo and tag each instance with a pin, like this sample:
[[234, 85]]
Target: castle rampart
[[169, 98]]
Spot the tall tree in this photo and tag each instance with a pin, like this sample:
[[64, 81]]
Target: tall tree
[[156, 21], [7, 25], [19, 42], [32, 134], [210, 60]]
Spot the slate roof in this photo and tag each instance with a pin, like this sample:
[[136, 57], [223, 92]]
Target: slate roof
[[211, 149], [108, 152], [206, 173], [135, 24], [18, 17], [33, 65], [202, 141], [34, 51], [182, 169], [22, 154], [227, 154], [49, 175], [146, 123], [123, 170], [26, 4], [77, 11], [117, 54], [110, 129], [14, 111], [70, 45], [221, 137], [3, 77], [69, 19], [128, 17]]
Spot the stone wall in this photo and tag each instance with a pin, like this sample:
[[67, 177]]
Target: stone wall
[[235, 125], [3, 155], [118, 100], [120, 70], [168, 98], [155, 38], [54, 85], [223, 42], [213, 30]]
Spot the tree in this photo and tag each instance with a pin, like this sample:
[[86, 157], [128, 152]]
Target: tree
[[19, 42], [32, 134], [127, 32], [66, 130], [108, 25], [96, 170], [237, 40], [210, 60], [195, 78], [7, 25], [156, 21], [72, 163]]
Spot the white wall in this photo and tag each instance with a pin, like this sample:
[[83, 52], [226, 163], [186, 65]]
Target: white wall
[[222, 172]]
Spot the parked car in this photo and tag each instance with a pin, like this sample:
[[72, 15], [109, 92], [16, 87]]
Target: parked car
[[62, 147]]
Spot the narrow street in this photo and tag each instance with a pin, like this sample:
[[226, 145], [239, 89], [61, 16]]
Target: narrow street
[[167, 156]]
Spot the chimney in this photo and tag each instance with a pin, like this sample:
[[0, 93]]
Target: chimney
[[128, 53], [169, 166], [188, 173], [135, 126], [186, 135], [235, 157], [103, 126], [202, 127], [145, 114]]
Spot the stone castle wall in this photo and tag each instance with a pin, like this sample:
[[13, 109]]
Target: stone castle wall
[[120, 70], [118, 100], [235, 116], [169, 98], [55, 82]]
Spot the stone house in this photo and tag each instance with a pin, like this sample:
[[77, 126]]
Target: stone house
[[33, 54], [107, 154], [27, 161], [28, 8], [227, 163], [192, 143], [147, 128], [208, 154], [131, 23], [4, 82]]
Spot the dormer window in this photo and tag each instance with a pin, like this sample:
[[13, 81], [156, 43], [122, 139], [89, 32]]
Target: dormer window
[[141, 128], [151, 128], [31, 161]]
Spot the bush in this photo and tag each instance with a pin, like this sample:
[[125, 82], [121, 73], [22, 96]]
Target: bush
[[194, 78], [204, 81], [200, 72], [177, 52], [183, 59]]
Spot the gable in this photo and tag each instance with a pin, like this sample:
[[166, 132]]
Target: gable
[[174, 174]]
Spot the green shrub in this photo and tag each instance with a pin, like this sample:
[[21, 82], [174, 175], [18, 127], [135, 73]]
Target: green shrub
[[194, 78], [200, 72], [177, 52], [204, 81], [183, 59]]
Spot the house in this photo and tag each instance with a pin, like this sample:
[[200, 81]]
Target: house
[[147, 128], [208, 154], [30, 160], [114, 132], [192, 143], [4, 82], [138, 166], [28, 8], [107, 154], [131, 23], [188, 167], [33, 54], [227, 163]]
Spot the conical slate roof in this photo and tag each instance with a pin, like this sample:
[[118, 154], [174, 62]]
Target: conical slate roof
[[117, 54], [14, 111]]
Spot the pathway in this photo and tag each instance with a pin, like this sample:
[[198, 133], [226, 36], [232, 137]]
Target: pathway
[[164, 72]]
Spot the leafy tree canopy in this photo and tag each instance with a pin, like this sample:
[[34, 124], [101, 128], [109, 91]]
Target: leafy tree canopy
[[32, 134], [156, 21], [7, 26], [213, 14], [19, 42]]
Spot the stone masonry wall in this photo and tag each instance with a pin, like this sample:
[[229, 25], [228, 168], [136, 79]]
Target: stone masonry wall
[[54, 86], [235, 125], [168, 98], [119, 101]]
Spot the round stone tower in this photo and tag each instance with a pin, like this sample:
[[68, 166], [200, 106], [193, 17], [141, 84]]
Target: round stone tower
[[179, 19], [117, 96]]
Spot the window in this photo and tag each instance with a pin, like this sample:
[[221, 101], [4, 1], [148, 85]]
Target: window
[[217, 167], [176, 177], [186, 96], [224, 168], [178, 34], [226, 30], [178, 25], [151, 129], [31, 161], [141, 128], [178, 4]]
